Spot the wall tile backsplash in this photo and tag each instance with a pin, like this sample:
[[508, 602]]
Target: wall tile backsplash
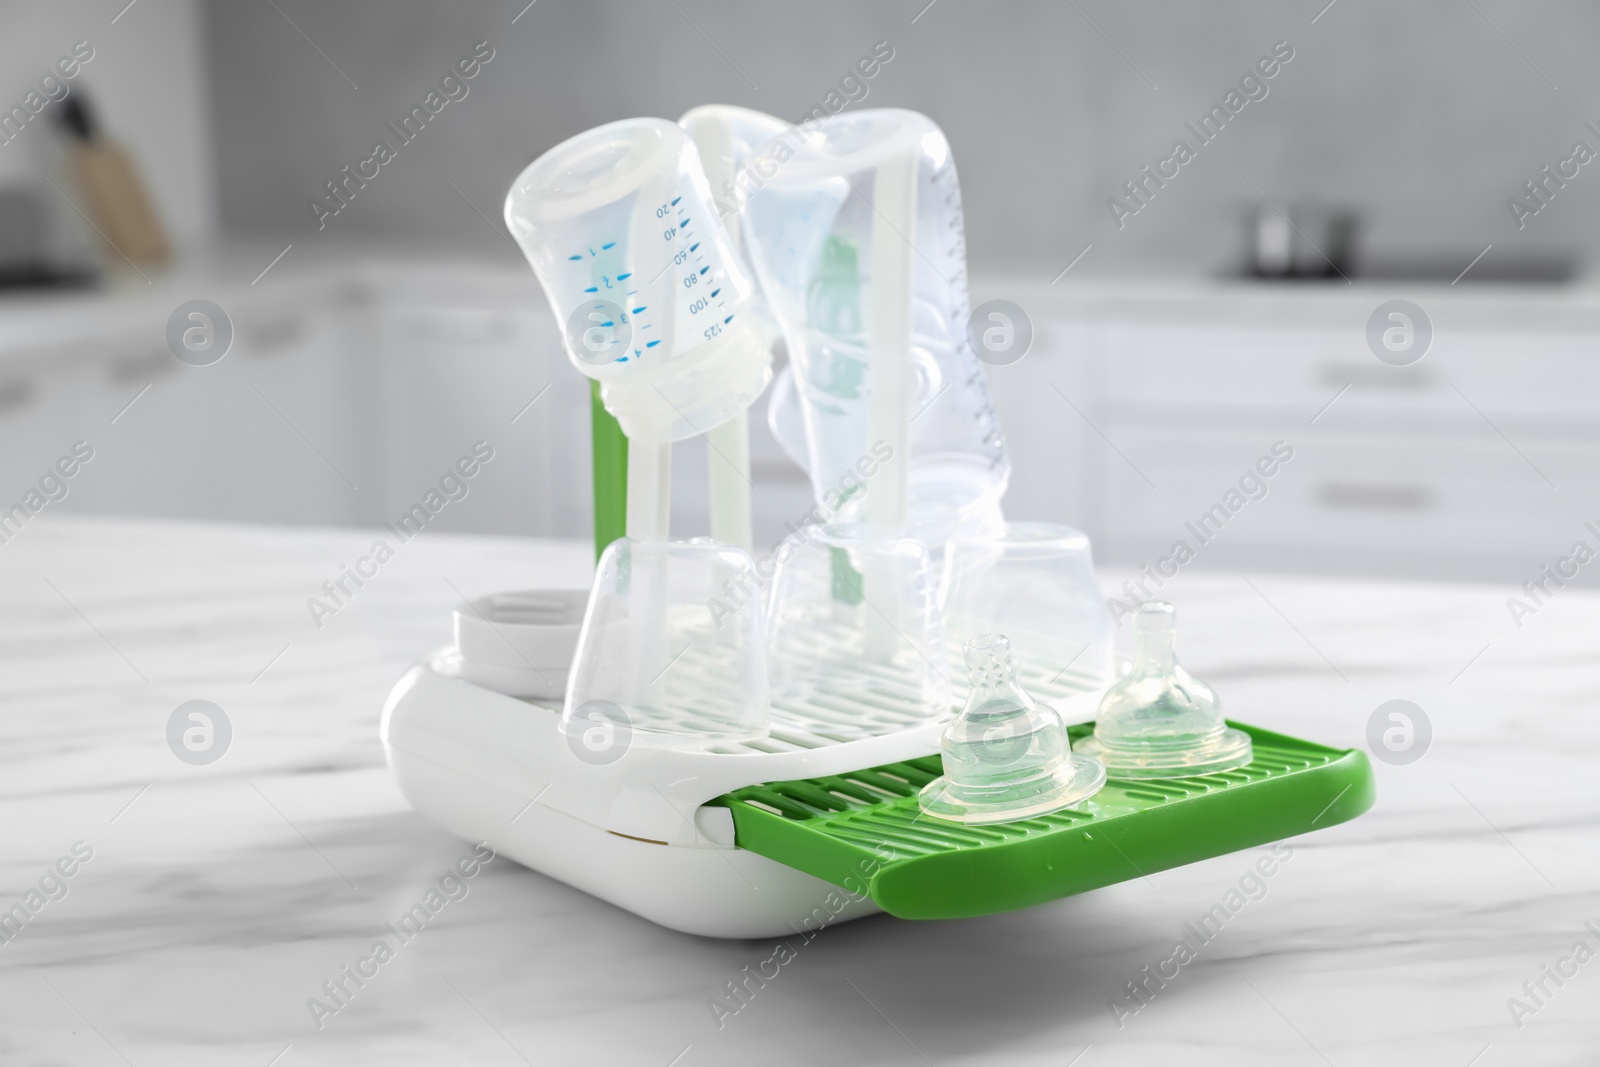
[[1424, 119]]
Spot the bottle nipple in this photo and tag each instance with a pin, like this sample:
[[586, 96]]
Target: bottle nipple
[[989, 660], [1160, 721], [1006, 756], [1154, 633]]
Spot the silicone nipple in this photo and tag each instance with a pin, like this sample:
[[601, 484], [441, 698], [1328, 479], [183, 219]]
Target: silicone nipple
[[1006, 756], [1159, 721]]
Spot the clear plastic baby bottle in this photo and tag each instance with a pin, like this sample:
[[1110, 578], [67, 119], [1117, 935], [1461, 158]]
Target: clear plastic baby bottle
[[619, 226], [841, 242], [728, 139], [855, 645], [670, 652], [1035, 583]]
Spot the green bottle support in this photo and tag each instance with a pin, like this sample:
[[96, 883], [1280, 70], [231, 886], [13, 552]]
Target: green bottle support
[[610, 447]]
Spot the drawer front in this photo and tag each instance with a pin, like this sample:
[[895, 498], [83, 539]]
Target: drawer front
[[1407, 494], [457, 374], [1547, 381]]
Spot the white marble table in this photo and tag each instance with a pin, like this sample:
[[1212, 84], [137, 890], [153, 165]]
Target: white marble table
[[219, 898]]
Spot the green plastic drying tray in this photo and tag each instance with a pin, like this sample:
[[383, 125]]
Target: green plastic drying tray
[[835, 827]]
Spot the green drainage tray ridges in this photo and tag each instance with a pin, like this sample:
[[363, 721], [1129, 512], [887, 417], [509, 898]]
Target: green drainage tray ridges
[[866, 825]]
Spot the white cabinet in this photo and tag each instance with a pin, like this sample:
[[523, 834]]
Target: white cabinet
[[1044, 402], [1479, 461], [43, 412], [456, 368], [267, 434], [343, 401], [1237, 370], [195, 442], [1405, 504]]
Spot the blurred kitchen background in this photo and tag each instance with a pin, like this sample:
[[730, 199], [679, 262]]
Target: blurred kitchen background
[[1169, 352]]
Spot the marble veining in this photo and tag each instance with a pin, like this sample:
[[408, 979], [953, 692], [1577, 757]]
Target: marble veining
[[218, 899]]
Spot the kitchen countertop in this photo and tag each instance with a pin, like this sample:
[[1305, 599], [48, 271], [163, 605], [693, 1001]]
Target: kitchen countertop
[[219, 898]]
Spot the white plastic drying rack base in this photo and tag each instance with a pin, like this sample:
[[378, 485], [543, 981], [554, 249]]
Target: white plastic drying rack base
[[635, 832]]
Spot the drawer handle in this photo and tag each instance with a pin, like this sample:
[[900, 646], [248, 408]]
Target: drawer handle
[[268, 338], [466, 327], [15, 394], [1371, 497], [1375, 377], [129, 369]]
